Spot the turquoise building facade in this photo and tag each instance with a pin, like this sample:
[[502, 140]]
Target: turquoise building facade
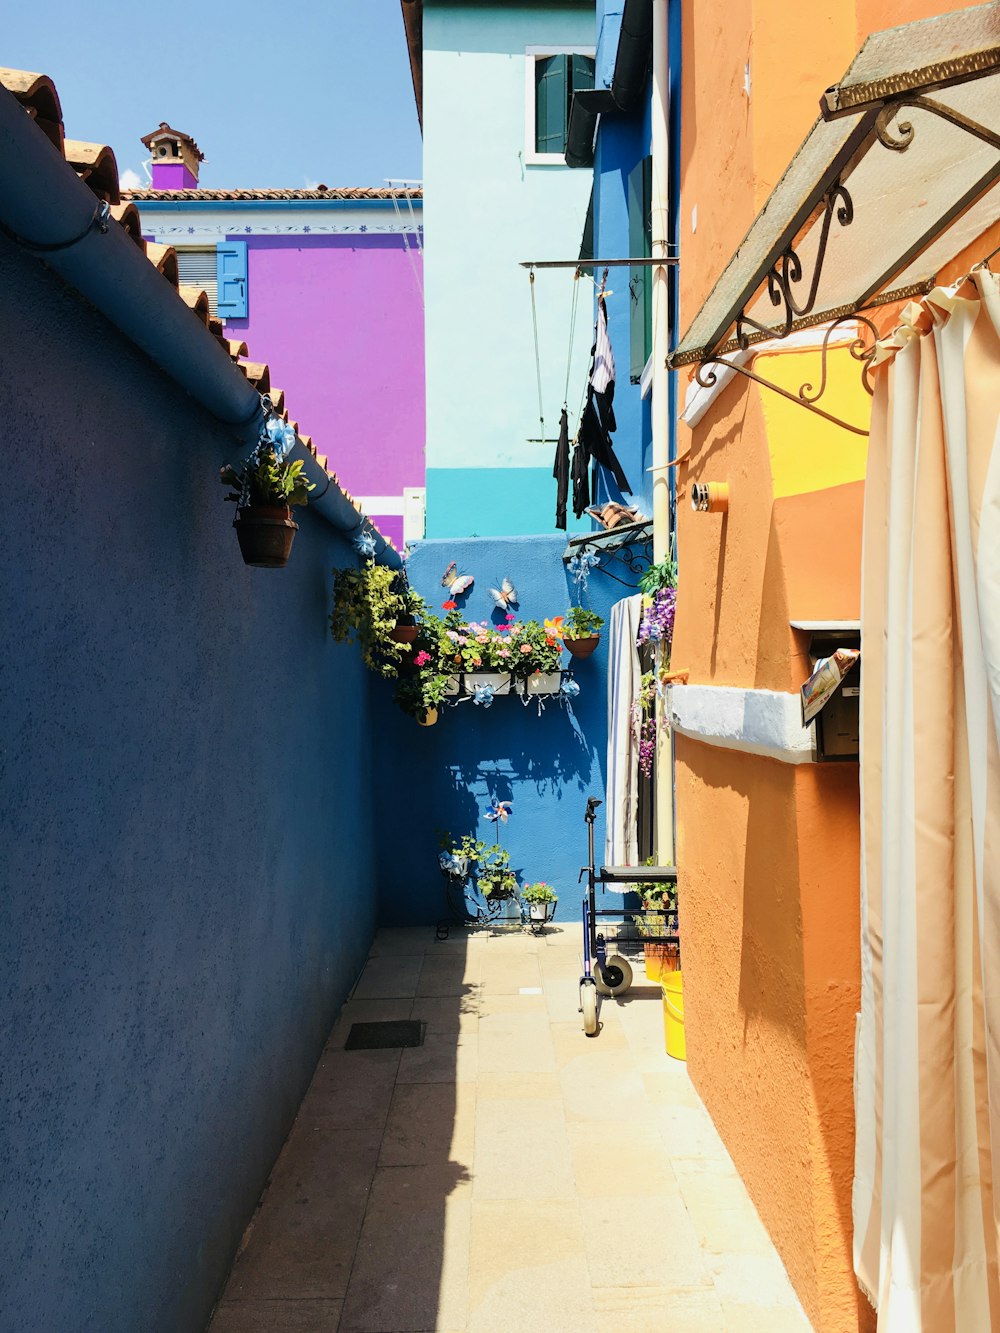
[[491, 201]]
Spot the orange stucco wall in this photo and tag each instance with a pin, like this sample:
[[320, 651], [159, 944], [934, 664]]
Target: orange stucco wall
[[768, 852]]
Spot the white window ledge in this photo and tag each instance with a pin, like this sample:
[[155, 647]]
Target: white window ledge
[[764, 722]]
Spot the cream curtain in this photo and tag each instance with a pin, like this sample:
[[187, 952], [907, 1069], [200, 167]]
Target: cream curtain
[[927, 1082]]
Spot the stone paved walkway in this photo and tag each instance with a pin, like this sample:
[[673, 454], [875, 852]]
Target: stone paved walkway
[[510, 1174]]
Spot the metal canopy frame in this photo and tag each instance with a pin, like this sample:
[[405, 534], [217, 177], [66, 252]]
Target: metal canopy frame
[[631, 544], [879, 105]]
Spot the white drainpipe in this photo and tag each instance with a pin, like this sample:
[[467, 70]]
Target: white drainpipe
[[660, 389]]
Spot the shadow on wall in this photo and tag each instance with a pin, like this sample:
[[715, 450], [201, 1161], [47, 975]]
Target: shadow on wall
[[545, 765]]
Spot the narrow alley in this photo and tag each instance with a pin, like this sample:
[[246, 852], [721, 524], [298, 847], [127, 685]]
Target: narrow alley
[[509, 1173]]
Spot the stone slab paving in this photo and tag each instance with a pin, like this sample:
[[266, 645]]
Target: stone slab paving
[[508, 1174]]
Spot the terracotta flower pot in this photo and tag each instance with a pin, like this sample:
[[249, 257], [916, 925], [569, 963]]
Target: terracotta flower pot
[[403, 633], [265, 534], [582, 647], [429, 718]]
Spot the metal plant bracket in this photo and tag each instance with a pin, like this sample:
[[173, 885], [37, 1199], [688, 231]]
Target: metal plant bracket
[[630, 545], [808, 395], [798, 227]]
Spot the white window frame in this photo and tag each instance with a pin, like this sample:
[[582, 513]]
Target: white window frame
[[532, 54]]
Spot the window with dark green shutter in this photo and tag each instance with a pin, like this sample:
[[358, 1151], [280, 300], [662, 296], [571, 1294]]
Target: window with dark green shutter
[[557, 77], [640, 286]]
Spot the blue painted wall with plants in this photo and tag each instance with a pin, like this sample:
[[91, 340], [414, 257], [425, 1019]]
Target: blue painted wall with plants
[[187, 878], [546, 765]]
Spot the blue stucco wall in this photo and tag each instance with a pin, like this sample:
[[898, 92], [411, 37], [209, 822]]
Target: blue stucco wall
[[622, 142], [546, 765], [186, 885]]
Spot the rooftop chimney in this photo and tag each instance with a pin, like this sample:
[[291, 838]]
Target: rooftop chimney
[[176, 158]]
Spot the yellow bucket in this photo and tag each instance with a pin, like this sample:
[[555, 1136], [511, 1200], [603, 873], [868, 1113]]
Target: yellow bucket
[[673, 1015], [653, 962]]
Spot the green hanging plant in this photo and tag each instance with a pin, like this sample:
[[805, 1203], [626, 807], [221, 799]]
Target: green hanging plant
[[368, 603]]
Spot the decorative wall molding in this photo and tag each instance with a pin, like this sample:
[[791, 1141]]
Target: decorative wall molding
[[764, 722]]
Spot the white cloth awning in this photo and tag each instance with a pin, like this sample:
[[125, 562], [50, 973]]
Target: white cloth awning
[[895, 179]]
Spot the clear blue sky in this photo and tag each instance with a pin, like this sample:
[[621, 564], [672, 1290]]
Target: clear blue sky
[[276, 94]]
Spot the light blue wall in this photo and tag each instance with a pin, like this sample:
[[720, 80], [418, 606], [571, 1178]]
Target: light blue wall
[[187, 876], [546, 765], [485, 210]]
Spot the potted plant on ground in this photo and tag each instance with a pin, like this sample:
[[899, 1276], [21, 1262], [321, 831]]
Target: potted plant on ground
[[582, 630], [541, 899], [264, 490], [495, 879], [658, 899]]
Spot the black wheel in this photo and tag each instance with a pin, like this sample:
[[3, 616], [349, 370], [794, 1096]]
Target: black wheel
[[615, 977]]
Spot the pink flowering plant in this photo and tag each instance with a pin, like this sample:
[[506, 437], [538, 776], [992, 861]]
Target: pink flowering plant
[[514, 647]]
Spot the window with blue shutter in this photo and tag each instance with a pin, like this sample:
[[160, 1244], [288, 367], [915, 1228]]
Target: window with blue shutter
[[231, 271], [557, 77]]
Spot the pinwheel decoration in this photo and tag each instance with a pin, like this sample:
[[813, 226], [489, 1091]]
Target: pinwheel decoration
[[554, 627], [364, 543], [498, 811], [483, 696]]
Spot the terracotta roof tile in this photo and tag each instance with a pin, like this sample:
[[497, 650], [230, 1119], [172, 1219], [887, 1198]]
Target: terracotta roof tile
[[96, 166], [359, 193], [197, 300], [165, 259], [37, 94], [127, 215]]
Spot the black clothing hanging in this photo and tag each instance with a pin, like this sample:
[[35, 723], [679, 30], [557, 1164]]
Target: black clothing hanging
[[560, 471]]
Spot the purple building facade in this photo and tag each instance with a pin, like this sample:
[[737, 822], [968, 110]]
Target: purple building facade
[[326, 286]]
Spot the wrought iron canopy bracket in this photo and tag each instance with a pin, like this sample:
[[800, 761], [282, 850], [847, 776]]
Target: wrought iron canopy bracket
[[797, 298], [630, 545]]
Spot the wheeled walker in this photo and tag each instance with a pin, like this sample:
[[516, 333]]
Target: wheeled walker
[[607, 973]]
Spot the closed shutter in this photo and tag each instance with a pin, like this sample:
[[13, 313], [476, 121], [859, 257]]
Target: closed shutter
[[640, 246], [197, 268], [581, 72], [551, 103], [231, 268]]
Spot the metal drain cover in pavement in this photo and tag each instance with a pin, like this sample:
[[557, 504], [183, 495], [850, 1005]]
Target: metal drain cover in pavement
[[384, 1036]]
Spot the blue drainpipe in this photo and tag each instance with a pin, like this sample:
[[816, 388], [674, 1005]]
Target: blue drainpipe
[[49, 211]]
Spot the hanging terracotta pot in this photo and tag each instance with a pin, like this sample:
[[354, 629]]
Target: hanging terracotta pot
[[265, 534], [403, 633], [582, 647]]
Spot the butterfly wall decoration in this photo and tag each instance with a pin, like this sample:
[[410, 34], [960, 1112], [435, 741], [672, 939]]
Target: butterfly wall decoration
[[505, 596], [456, 583]]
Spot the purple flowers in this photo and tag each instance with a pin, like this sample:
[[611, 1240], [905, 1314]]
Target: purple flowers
[[657, 624]]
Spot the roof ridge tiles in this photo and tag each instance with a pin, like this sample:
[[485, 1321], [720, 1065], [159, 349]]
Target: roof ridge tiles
[[203, 194]]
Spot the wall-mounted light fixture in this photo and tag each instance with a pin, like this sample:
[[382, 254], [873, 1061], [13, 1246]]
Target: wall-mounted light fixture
[[710, 497]]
